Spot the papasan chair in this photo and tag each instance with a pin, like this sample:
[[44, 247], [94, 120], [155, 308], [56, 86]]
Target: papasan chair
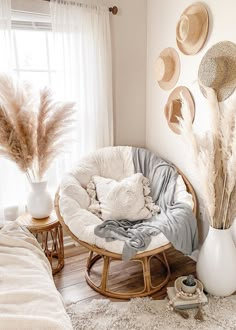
[[82, 213]]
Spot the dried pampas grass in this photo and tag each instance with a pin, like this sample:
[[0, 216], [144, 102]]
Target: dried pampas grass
[[53, 122], [30, 135], [215, 157]]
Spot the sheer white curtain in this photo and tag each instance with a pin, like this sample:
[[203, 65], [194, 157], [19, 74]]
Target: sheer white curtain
[[5, 35], [83, 74], [13, 183], [83, 47]]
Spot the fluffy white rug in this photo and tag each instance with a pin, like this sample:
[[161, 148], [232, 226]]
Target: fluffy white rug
[[147, 314]]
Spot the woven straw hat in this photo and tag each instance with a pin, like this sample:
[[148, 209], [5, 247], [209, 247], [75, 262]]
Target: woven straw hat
[[173, 107], [167, 68], [217, 70], [192, 29]]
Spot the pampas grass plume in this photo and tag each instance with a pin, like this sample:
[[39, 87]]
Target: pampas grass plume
[[215, 157], [31, 137]]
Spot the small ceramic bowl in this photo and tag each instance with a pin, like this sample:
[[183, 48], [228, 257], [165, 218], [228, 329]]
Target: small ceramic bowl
[[188, 289], [184, 295]]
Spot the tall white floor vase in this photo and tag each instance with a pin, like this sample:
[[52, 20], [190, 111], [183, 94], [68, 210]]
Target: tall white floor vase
[[39, 202], [216, 265]]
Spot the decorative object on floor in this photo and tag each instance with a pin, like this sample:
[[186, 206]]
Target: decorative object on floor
[[173, 107], [32, 133], [217, 70], [167, 68], [192, 29], [187, 293], [178, 299], [116, 240], [214, 155], [146, 314], [49, 233]]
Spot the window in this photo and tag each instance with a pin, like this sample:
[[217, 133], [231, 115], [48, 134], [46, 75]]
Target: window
[[34, 60], [84, 72], [33, 56]]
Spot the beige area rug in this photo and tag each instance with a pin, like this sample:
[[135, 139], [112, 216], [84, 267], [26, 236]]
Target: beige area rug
[[147, 314]]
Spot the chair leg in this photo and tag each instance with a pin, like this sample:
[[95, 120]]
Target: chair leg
[[146, 274], [106, 264], [166, 262], [89, 259]]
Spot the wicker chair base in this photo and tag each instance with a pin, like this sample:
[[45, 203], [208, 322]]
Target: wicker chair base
[[148, 288], [97, 253]]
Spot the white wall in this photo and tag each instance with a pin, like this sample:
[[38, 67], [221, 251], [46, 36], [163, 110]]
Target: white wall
[[128, 30], [129, 68], [162, 17]]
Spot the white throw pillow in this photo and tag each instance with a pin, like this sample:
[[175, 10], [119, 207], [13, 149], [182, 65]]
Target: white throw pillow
[[126, 199]]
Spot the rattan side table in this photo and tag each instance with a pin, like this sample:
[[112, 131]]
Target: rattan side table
[[49, 234]]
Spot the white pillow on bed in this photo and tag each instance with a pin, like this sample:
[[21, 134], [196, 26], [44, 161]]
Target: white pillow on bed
[[126, 199]]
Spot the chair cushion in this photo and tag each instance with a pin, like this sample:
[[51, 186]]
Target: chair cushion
[[110, 162]]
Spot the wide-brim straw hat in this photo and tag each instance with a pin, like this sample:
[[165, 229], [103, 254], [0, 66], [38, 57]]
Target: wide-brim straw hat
[[217, 70], [174, 104], [192, 29], [167, 68]]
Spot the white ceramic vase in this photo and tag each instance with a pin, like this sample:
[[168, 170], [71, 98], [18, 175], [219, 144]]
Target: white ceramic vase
[[39, 202], [216, 264]]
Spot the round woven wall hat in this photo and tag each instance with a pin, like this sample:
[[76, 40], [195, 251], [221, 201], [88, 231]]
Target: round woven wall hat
[[192, 29], [217, 70], [173, 107], [167, 68]]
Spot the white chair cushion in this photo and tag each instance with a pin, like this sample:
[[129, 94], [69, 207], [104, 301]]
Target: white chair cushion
[[112, 162]]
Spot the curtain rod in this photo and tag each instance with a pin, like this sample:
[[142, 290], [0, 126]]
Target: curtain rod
[[113, 10]]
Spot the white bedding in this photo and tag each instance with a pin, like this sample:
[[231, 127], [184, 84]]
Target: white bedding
[[110, 162], [29, 299]]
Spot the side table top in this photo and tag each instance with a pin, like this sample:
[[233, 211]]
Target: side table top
[[37, 224]]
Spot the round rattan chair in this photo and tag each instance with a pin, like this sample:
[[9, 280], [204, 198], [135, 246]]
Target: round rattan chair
[[98, 253]]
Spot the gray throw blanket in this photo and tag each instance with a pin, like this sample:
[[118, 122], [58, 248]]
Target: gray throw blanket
[[176, 220]]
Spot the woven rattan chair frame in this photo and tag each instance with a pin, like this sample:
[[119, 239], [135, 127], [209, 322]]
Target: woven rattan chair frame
[[145, 258]]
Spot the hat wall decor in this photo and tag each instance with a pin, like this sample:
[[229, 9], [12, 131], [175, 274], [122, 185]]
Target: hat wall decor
[[173, 107], [167, 68], [192, 29], [217, 70]]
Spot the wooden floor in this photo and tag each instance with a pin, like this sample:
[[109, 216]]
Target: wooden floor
[[70, 281]]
